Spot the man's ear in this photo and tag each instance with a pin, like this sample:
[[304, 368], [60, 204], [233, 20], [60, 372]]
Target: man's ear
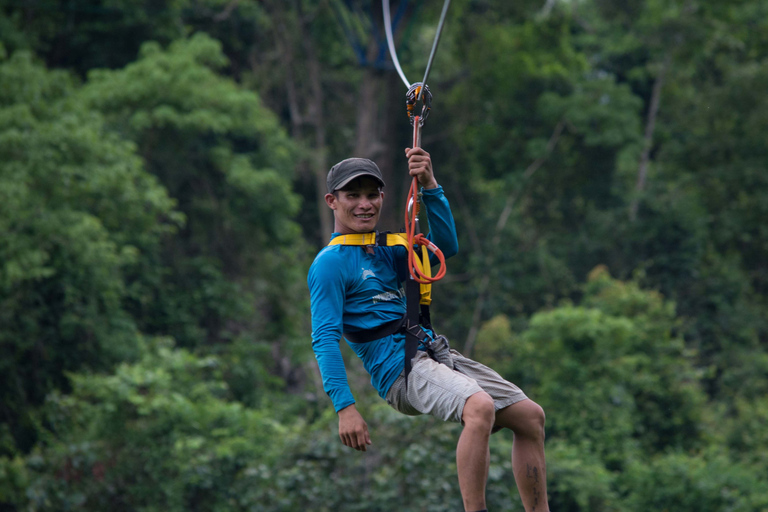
[[330, 200]]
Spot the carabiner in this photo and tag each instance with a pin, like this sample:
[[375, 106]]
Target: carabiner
[[410, 102]]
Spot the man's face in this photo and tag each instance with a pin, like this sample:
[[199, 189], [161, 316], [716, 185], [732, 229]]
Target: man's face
[[357, 206]]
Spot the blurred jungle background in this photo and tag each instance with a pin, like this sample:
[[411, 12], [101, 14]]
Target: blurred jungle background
[[162, 165]]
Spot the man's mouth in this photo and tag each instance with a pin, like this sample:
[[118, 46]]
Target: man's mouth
[[364, 216]]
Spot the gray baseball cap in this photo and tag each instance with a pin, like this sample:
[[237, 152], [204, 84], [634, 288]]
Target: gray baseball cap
[[349, 169]]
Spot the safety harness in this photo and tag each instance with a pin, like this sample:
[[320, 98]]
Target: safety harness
[[418, 295]]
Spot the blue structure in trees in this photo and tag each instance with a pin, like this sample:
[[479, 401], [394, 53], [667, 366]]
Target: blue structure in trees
[[360, 25]]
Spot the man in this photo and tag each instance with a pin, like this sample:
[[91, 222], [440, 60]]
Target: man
[[356, 289]]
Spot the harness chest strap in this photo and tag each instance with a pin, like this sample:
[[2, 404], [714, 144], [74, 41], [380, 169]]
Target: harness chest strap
[[374, 239]]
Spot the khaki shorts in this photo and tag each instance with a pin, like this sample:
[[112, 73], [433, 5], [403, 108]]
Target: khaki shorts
[[435, 389]]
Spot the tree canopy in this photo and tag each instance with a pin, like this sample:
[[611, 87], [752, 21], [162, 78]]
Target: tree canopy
[[162, 169]]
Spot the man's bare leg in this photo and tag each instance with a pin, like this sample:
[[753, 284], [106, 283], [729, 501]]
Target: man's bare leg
[[526, 420], [472, 452]]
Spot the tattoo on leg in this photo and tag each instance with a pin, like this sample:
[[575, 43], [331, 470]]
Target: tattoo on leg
[[533, 473]]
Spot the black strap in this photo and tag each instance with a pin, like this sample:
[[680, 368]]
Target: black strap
[[370, 335], [414, 334], [424, 317]]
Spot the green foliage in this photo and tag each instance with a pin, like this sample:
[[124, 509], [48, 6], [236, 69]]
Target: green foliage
[[619, 386], [611, 374], [578, 480], [221, 154], [725, 174], [77, 211], [160, 434], [710, 482], [73, 34], [190, 123], [744, 431], [512, 66], [379, 480], [146, 189], [84, 267], [631, 384]]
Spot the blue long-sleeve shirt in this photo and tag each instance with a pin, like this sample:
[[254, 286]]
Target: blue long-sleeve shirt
[[353, 290]]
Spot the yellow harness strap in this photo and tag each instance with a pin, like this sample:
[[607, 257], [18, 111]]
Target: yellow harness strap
[[374, 239]]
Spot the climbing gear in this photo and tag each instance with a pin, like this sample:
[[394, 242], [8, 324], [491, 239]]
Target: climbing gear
[[419, 269], [439, 349], [417, 298], [416, 92], [432, 53], [388, 329], [417, 121], [390, 40], [391, 43], [413, 236], [411, 97], [387, 239]]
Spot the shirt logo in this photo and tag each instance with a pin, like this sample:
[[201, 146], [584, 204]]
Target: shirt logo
[[385, 297], [368, 273], [388, 296]]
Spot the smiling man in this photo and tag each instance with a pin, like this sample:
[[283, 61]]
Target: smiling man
[[356, 292]]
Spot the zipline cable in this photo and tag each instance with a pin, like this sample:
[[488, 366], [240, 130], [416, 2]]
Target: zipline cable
[[391, 41], [446, 4]]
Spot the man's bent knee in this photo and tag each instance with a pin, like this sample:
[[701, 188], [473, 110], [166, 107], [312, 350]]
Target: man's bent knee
[[479, 410], [536, 421], [525, 418]]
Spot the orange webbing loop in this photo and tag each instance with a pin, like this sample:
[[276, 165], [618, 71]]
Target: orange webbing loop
[[414, 238]]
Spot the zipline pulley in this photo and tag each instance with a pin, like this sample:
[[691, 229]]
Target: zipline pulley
[[411, 98]]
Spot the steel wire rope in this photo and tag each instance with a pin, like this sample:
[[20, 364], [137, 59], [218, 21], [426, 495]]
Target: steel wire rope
[[391, 41], [446, 4]]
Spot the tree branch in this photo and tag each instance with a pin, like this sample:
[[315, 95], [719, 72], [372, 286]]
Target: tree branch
[[223, 15], [650, 127]]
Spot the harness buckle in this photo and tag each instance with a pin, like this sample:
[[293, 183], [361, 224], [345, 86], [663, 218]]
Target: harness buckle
[[381, 238], [416, 331]]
